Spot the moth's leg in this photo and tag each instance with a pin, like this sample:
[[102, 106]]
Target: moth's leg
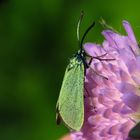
[[88, 64], [104, 77], [99, 57], [88, 95], [90, 61]]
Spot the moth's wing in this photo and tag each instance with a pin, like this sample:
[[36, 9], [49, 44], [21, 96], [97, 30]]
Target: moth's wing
[[71, 103]]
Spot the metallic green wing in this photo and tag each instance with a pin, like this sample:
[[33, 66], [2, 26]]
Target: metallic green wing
[[70, 103]]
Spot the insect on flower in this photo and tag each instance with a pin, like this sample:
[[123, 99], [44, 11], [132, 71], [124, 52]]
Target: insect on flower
[[70, 104]]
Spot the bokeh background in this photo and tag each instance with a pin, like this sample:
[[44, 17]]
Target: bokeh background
[[37, 38]]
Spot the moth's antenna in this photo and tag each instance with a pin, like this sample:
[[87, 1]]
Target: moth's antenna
[[88, 29], [78, 26]]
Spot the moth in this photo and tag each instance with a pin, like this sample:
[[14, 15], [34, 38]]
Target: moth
[[70, 104]]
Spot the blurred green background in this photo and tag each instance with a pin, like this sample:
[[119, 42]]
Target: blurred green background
[[37, 38]]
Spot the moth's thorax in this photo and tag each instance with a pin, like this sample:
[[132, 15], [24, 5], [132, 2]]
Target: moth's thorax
[[77, 59]]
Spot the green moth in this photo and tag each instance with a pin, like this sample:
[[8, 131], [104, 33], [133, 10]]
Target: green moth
[[70, 104]]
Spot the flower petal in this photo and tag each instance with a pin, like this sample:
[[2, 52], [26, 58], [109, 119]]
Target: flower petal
[[94, 49], [129, 31], [132, 100]]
